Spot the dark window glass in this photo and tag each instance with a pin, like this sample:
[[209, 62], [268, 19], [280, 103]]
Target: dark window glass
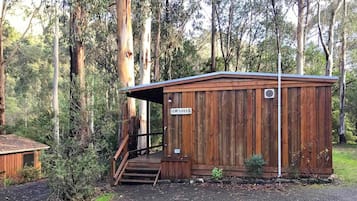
[[29, 159]]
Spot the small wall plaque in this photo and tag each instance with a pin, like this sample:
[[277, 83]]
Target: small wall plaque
[[180, 111]]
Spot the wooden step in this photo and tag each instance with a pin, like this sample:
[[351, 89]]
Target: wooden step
[[142, 169], [137, 164], [143, 181], [138, 174]]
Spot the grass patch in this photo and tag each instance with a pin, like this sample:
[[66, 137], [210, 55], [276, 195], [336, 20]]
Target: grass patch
[[345, 163], [105, 197]]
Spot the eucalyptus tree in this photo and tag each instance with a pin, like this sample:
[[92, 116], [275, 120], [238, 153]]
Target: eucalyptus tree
[[157, 8], [55, 104], [176, 16], [125, 58], [78, 22], [145, 66], [213, 36], [302, 21], [342, 78], [328, 47], [5, 7], [232, 22]]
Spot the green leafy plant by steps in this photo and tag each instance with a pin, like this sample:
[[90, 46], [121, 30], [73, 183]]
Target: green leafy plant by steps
[[254, 166], [29, 173], [217, 173]]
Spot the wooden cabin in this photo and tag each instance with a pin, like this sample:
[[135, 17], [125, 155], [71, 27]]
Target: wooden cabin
[[16, 152], [221, 119]]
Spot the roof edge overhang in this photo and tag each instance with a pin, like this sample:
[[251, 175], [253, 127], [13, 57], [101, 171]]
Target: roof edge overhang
[[23, 150], [154, 91]]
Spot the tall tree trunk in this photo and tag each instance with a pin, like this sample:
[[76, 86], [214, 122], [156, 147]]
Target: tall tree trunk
[[78, 99], [342, 80], [277, 29], [2, 78], [300, 37], [125, 60], [145, 63], [157, 44], [213, 37], [55, 78], [329, 48], [2, 69]]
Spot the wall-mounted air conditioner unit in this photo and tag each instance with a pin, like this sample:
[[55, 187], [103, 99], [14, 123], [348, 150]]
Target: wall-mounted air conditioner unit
[[269, 93]]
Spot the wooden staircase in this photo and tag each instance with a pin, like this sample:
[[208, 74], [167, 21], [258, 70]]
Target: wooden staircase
[[141, 171]]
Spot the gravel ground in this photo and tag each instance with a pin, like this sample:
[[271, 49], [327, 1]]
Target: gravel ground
[[39, 191], [203, 192], [33, 191]]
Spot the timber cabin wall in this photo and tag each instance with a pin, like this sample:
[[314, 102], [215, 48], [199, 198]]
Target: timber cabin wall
[[12, 163], [231, 120]]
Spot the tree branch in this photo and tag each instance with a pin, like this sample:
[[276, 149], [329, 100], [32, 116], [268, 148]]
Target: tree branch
[[327, 52], [14, 51]]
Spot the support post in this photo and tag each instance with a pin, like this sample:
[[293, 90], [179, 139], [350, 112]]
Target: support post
[[147, 127]]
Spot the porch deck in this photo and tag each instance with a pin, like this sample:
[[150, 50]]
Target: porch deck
[[151, 158]]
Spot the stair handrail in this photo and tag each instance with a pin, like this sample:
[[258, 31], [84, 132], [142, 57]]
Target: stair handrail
[[116, 172]]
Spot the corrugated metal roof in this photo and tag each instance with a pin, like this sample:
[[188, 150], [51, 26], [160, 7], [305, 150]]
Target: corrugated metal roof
[[15, 144], [311, 78]]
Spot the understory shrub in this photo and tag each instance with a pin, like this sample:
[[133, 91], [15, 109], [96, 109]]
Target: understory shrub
[[254, 166], [72, 171], [217, 173], [29, 173]]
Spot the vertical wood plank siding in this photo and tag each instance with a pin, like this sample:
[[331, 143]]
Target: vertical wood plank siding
[[12, 163], [227, 127]]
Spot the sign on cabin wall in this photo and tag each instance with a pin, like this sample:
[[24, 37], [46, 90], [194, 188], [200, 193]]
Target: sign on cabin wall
[[180, 111]]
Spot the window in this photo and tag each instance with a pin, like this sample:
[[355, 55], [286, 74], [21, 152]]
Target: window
[[28, 159]]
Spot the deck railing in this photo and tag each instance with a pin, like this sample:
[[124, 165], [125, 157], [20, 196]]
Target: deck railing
[[121, 156]]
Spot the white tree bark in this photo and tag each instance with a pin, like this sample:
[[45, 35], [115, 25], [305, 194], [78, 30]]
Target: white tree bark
[[342, 80], [55, 78], [145, 65], [329, 48]]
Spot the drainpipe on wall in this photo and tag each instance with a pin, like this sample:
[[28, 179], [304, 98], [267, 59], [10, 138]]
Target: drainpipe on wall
[[279, 114]]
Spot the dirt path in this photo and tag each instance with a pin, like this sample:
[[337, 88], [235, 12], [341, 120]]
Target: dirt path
[[39, 191]]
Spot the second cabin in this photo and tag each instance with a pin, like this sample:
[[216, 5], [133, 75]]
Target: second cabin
[[221, 119]]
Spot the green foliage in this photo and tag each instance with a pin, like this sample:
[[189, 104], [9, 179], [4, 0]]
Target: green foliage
[[217, 173], [8, 181], [254, 166], [72, 170], [29, 173], [314, 60], [105, 197], [345, 163]]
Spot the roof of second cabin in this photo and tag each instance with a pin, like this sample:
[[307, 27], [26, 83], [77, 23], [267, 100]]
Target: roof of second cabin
[[154, 91], [15, 144]]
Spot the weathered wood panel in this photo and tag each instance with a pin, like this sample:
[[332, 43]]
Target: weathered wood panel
[[228, 126], [188, 101], [175, 168], [258, 121], [12, 164], [285, 128], [294, 122], [241, 116]]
